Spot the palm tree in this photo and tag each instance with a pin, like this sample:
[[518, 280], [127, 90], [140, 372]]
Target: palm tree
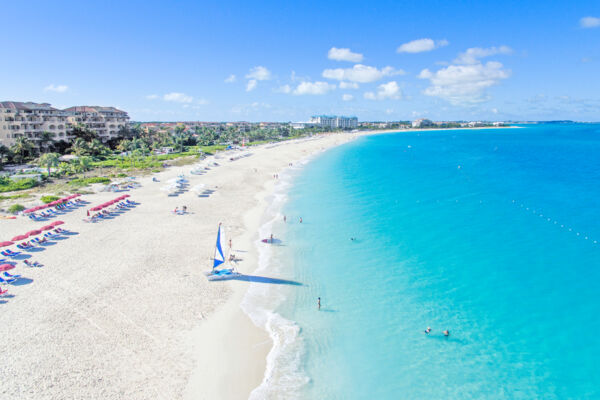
[[22, 149], [5, 153], [80, 147], [44, 139], [84, 163], [49, 160], [180, 137], [97, 148]]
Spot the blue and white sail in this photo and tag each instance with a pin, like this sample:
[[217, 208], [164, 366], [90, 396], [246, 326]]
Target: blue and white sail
[[219, 258]]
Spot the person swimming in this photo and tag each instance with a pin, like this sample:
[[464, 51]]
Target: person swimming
[[446, 333], [427, 331]]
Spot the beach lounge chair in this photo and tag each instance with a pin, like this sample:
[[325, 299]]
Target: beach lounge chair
[[24, 246], [50, 235], [3, 292], [34, 217], [39, 241], [60, 230], [7, 281], [32, 264], [10, 276], [10, 253]]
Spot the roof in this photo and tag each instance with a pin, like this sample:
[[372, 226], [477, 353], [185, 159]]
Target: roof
[[29, 106], [94, 109]]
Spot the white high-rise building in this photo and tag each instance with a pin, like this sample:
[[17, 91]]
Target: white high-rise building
[[335, 122]]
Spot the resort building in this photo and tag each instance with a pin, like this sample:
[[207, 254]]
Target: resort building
[[105, 121], [335, 122], [422, 123], [30, 120]]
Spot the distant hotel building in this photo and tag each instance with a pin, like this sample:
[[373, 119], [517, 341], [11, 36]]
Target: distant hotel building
[[422, 123], [335, 122], [29, 120]]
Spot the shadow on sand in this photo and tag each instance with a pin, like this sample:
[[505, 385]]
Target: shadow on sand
[[265, 279], [22, 281]]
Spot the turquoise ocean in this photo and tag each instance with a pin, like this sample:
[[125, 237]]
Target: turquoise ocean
[[492, 234]]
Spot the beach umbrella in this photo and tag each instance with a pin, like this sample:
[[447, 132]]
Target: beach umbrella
[[6, 267], [55, 223], [46, 227], [125, 196], [33, 232], [4, 244], [20, 237]]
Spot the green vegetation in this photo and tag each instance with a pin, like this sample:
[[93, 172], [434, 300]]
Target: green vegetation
[[15, 196], [134, 149], [15, 208], [8, 185], [49, 199], [81, 182]]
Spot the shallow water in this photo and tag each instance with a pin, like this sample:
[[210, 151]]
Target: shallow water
[[491, 234]]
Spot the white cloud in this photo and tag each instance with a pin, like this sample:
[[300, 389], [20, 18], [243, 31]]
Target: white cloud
[[389, 90], [283, 89], [251, 85], [421, 45], [259, 73], [231, 78], [178, 97], [472, 55], [344, 55], [348, 85], [360, 73], [347, 97], [314, 88], [464, 84], [152, 97], [589, 22], [56, 88]]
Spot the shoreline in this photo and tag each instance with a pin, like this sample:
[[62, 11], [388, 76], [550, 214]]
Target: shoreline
[[249, 351], [123, 310]]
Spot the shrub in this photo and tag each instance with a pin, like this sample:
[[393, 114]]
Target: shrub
[[122, 175], [80, 182], [49, 199], [15, 208], [7, 185]]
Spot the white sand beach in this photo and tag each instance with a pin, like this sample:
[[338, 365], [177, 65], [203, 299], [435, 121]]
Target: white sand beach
[[122, 309]]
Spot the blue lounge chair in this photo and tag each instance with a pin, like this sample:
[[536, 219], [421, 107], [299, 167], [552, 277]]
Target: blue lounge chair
[[11, 276], [32, 264], [10, 253], [7, 281]]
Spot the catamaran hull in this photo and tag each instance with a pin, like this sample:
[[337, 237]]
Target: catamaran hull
[[221, 277]]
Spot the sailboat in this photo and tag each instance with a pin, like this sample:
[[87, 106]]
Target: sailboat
[[218, 259]]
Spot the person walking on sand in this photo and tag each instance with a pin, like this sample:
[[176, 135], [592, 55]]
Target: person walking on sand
[[284, 218], [319, 303]]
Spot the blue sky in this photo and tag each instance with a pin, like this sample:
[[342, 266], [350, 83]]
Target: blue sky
[[379, 60]]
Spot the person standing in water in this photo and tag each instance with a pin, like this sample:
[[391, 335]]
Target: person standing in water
[[428, 331], [300, 219], [284, 218], [447, 333], [319, 303]]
